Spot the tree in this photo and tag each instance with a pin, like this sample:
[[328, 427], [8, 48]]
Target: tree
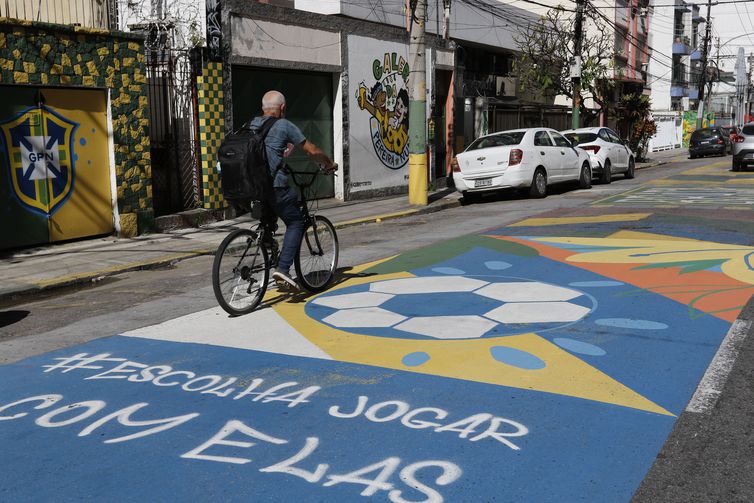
[[546, 49], [633, 112]]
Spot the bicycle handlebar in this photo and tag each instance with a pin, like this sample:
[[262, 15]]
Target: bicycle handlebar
[[312, 174]]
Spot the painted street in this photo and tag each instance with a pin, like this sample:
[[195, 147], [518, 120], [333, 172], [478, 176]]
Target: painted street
[[546, 355]]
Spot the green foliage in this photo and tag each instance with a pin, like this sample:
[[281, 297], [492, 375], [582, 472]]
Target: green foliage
[[546, 49], [633, 110]]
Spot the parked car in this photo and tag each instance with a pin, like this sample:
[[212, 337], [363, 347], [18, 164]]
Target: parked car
[[530, 158], [708, 141], [743, 147], [609, 154], [729, 131]]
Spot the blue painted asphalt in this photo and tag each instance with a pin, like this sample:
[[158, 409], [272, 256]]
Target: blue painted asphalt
[[561, 457]]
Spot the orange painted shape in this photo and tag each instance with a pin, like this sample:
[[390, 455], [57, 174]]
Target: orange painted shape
[[710, 292]]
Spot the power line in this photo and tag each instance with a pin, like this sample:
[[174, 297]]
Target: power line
[[720, 2]]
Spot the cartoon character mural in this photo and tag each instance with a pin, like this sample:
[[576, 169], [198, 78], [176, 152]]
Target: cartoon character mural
[[387, 103]]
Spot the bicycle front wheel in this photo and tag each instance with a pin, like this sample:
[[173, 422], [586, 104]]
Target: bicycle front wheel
[[317, 256], [240, 272]]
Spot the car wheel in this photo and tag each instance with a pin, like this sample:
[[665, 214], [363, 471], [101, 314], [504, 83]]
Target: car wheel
[[630, 172], [735, 166], [607, 173], [538, 187], [585, 180], [692, 156]]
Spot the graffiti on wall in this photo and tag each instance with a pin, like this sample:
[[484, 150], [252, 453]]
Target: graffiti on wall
[[39, 153], [379, 113], [387, 102], [214, 30], [689, 126]]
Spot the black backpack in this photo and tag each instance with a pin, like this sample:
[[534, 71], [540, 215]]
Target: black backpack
[[244, 171]]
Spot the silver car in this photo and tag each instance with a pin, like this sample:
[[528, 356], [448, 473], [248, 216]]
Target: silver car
[[743, 147]]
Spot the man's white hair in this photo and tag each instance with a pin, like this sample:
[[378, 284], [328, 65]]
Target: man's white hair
[[272, 100]]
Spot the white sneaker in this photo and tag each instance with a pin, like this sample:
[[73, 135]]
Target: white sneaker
[[282, 278]]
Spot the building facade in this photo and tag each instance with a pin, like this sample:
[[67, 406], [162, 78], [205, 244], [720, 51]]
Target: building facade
[[678, 48], [344, 69]]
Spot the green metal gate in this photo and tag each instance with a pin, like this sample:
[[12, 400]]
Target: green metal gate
[[309, 105]]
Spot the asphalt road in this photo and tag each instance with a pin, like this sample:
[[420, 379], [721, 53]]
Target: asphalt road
[[706, 457], [139, 298]]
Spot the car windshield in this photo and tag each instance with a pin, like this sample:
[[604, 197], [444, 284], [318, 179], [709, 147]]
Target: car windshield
[[497, 140], [581, 138], [748, 129], [704, 134]]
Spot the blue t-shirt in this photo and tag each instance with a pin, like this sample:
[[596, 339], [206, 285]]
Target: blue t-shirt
[[280, 135]]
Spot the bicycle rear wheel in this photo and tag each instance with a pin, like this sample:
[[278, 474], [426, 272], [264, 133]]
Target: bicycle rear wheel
[[317, 256], [240, 272]]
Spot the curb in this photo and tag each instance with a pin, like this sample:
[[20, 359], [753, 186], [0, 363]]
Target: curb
[[400, 214], [99, 275]]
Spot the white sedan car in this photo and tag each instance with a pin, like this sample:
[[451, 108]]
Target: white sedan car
[[608, 152], [522, 158]]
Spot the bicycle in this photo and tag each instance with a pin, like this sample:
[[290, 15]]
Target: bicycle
[[242, 264]]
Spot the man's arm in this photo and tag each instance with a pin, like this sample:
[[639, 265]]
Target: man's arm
[[318, 155]]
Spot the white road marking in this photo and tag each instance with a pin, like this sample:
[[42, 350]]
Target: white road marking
[[262, 330], [711, 385]]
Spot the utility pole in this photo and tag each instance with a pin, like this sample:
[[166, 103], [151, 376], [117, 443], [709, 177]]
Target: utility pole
[[703, 76], [578, 35], [417, 108], [708, 105]]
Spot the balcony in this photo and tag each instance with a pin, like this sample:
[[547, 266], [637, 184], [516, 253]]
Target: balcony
[[681, 45], [98, 14], [696, 55], [693, 94], [678, 91]]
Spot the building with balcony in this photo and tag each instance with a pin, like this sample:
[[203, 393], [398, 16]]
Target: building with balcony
[[632, 52], [675, 66]]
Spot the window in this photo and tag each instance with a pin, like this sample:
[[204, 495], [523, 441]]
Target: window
[[748, 129], [559, 140], [581, 138], [704, 134], [613, 137], [604, 136], [498, 140], [542, 139]]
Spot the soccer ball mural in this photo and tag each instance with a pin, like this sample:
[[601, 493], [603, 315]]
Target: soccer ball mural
[[451, 307]]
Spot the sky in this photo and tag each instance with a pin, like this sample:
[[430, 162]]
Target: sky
[[728, 21]]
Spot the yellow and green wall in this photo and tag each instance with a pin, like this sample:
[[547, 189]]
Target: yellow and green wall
[[62, 57]]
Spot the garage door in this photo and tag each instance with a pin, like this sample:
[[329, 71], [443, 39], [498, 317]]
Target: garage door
[[54, 158], [309, 105]]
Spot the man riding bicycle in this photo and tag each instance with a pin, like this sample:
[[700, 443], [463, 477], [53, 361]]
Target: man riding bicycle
[[284, 200]]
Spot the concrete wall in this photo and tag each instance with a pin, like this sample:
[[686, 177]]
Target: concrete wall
[[661, 38], [467, 23]]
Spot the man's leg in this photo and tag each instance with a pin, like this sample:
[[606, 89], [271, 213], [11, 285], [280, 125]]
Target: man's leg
[[286, 206]]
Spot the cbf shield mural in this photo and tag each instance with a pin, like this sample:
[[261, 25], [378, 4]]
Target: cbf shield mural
[[55, 172], [378, 109], [38, 146]]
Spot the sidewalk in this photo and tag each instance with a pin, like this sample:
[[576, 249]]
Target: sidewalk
[[53, 266], [44, 268]]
